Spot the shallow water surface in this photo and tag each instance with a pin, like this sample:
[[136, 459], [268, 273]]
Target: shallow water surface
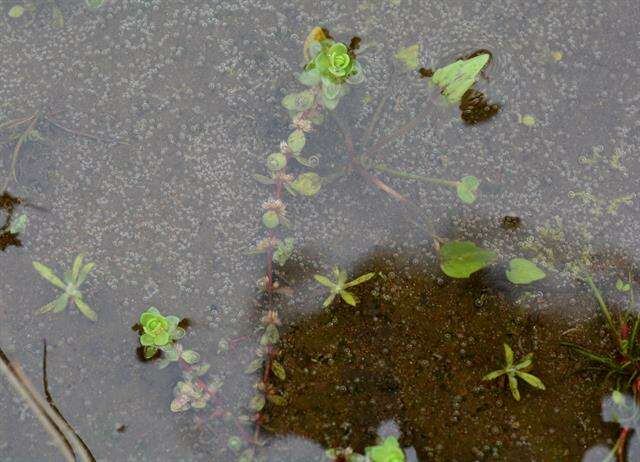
[[146, 122]]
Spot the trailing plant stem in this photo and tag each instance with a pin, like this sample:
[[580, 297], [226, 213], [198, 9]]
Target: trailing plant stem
[[413, 176], [603, 307]]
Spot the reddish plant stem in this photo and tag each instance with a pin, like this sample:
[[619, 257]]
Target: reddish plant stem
[[397, 133], [622, 443]]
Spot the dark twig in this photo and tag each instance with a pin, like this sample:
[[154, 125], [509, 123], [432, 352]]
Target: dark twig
[[84, 450], [47, 418]]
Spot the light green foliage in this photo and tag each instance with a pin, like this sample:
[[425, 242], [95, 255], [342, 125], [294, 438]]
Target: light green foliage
[[456, 78], [622, 286], [298, 101], [331, 60], [459, 259], [296, 141], [18, 224], [339, 287], [192, 392], [283, 251], [70, 284], [276, 161], [16, 11], [467, 189], [161, 332], [270, 219], [523, 271], [307, 184], [409, 56], [388, 451], [623, 362], [330, 65], [528, 120], [514, 371]]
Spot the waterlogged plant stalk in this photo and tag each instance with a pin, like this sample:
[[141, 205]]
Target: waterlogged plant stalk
[[49, 420], [632, 304], [603, 307], [414, 176]]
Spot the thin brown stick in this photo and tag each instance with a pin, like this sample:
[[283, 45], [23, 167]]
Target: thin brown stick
[[82, 134], [16, 151], [80, 445], [25, 389], [15, 122]]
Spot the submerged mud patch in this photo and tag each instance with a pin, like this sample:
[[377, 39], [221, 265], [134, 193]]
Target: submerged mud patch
[[415, 350]]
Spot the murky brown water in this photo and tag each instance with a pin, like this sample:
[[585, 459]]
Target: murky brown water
[[152, 118]]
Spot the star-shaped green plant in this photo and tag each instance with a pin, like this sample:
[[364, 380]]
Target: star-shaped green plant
[[159, 332], [511, 371], [338, 287], [388, 451], [71, 287]]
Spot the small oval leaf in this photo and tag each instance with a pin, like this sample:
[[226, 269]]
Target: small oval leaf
[[523, 271], [459, 259]]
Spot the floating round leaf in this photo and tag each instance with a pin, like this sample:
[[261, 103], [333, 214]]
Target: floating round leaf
[[357, 75], [16, 11], [459, 259], [523, 271], [409, 56], [330, 104], [257, 403], [307, 184], [190, 356], [309, 77], [283, 251], [330, 89], [467, 189], [296, 140], [235, 443], [298, 101], [270, 219], [276, 161]]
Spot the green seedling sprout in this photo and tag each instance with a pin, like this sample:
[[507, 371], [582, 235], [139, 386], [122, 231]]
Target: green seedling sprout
[[71, 287], [387, 451], [339, 287], [514, 371]]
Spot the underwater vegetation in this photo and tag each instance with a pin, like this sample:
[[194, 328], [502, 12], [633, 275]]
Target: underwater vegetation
[[70, 284], [514, 371], [159, 337], [339, 287], [331, 70]]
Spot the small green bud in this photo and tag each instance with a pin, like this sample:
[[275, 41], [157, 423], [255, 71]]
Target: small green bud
[[617, 397], [270, 219], [234, 443], [276, 161]]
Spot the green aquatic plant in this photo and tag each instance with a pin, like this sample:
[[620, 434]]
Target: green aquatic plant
[[623, 362], [330, 67], [387, 451], [16, 11], [70, 284], [514, 371], [339, 287], [159, 332]]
